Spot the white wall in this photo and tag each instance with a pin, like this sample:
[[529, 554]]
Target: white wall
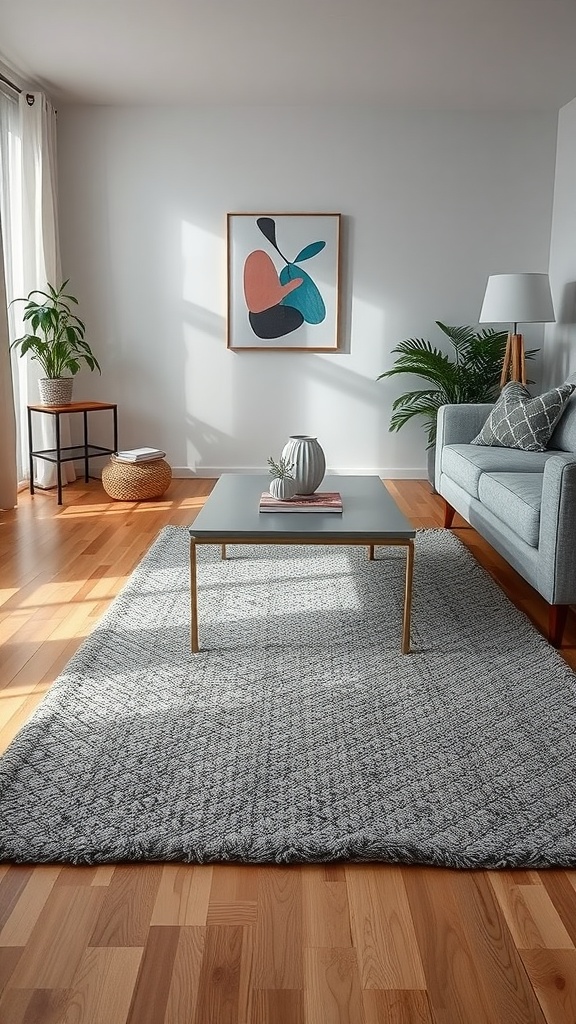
[[561, 336], [432, 204]]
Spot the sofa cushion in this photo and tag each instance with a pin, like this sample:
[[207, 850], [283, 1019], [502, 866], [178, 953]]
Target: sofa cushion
[[465, 463], [514, 498], [520, 421], [564, 436]]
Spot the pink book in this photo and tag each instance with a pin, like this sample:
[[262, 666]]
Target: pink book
[[321, 501]]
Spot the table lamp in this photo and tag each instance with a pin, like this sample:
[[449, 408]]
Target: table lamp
[[516, 298]]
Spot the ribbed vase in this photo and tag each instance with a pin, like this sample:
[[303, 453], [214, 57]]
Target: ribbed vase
[[307, 458], [282, 488]]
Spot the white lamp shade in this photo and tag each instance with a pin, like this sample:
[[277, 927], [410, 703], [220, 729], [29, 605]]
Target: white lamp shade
[[517, 298]]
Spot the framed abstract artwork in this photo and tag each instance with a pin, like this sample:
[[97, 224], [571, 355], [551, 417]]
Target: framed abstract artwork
[[283, 281]]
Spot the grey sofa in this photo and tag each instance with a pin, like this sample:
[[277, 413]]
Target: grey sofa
[[522, 503]]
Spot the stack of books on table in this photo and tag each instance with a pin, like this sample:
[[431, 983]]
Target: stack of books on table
[[140, 455], [321, 501]]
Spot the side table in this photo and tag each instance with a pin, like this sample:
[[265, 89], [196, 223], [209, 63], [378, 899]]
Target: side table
[[69, 453]]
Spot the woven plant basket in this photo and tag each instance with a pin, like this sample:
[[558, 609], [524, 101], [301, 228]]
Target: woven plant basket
[[136, 481], [55, 390]]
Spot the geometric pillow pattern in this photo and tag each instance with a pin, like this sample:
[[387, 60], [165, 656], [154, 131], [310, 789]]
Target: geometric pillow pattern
[[520, 421]]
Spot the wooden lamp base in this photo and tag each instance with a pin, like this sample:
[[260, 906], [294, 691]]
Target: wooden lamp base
[[514, 365]]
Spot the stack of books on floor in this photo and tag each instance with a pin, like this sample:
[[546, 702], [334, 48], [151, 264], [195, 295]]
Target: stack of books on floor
[[140, 455], [321, 501]]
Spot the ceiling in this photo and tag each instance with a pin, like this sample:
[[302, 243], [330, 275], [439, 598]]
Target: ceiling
[[505, 55]]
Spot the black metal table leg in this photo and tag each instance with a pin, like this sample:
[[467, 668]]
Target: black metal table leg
[[115, 413], [58, 458], [86, 474], [30, 450]]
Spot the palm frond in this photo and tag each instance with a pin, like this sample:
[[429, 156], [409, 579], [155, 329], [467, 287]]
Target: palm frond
[[460, 338], [411, 399], [427, 408], [422, 360], [471, 374]]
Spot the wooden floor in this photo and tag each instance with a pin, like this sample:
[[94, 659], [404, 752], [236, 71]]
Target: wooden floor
[[179, 944]]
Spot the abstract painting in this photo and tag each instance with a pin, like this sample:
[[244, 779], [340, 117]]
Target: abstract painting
[[283, 281]]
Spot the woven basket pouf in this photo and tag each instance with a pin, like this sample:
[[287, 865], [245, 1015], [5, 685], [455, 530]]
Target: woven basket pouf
[[136, 481]]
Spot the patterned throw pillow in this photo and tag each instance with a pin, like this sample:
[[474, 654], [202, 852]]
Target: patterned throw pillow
[[519, 421]]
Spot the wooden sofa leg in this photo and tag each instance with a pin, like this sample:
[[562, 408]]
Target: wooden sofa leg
[[449, 513], [557, 615]]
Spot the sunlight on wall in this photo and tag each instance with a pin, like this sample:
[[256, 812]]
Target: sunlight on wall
[[208, 373], [229, 396], [203, 257], [343, 396]]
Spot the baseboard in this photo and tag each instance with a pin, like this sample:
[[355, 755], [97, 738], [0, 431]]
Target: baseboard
[[184, 472]]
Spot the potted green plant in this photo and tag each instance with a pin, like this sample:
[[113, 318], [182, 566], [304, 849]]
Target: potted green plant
[[56, 342], [283, 484], [470, 374]]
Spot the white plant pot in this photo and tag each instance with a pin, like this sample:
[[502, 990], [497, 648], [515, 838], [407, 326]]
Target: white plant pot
[[308, 463], [55, 391], [282, 489]]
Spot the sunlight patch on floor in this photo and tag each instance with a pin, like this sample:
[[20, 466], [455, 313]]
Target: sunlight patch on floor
[[17, 694], [106, 587], [154, 506], [12, 623], [78, 512], [51, 594], [117, 508], [193, 502]]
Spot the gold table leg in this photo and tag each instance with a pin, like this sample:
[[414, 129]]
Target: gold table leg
[[194, 640], [193, 600], [408, 598]]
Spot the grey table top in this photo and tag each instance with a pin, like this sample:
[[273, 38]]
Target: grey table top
[[231, 513]]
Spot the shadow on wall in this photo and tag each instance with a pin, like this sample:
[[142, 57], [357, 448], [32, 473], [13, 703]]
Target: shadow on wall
[[240, 406], [561, 353], [202, 442], [297, 392]]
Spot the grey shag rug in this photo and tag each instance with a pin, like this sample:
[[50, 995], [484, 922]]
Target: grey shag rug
[[301, 733]]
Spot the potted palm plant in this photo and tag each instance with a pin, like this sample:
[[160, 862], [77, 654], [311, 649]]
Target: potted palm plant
[[470, 374], [56, 342]]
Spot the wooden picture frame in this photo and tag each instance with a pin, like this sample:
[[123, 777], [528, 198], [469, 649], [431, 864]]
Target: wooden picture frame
[[283, 282]]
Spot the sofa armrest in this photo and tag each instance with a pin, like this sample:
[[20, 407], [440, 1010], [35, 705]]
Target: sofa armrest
[[556, 547], [458, 424]]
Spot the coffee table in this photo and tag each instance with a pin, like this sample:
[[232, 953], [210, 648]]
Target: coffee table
[[370, 517]]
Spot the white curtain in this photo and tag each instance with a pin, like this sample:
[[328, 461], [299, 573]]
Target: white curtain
[[30, 215], [11, 469], [40, 255], [8, 475]]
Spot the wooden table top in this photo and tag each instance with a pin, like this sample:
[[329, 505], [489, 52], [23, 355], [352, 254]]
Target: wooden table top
[[73, 407]]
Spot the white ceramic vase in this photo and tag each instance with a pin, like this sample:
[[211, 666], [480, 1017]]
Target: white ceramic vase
[[308, 462], [282, 488]]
